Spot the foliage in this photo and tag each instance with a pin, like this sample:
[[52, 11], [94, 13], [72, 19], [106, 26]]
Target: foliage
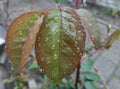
[[110, 11], [106, 10], [87, 77], [114, 12], [19, 82], [61, 1], [58, 36]]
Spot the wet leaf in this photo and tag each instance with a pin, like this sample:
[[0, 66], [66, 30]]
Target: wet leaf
[[30, 41], [112, 38], [91, 26], [16, 36], [90, 85], [60, 43]]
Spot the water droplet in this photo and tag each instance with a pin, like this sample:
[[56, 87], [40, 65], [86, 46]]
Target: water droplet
[[80, 54], [76, 43], [90, 25], [70, 64], [58, 41], [73, 53], [53, 47], [55, 56], [48, 62], [78, 49], [78, 32], [46, 39], [57, 30]]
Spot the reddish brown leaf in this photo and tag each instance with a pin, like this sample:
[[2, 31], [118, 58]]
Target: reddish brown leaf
[[30, 41], [16, 35], [91, 26]]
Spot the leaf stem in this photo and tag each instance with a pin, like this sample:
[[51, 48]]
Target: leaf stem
[[77, 76], [103, 81], [91, 53]]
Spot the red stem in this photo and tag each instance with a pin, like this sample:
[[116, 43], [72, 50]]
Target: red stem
[[91, 53], [77, 76], [82, 59], [77, 3], [32, 4]]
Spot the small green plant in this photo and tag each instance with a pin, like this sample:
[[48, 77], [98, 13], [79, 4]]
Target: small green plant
[[114, 12], [61, 1], [58, 36], [110, 11], [106, 10]]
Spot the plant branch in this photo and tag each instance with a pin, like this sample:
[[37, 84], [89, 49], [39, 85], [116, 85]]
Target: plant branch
[[83, 82], [77, 76], [32, 4], [103, 81], [91, 53], [77, 4]]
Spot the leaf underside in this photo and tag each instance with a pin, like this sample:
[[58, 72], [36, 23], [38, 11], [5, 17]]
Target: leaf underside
[[91, 27], [60, 43], [30, 41], [16, 36]]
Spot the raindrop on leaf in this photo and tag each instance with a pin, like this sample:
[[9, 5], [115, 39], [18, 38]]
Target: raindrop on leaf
[[78, 49], [78, 32], [57, 30], [53, 47], [73, 53], [46, 39], [55, 56]]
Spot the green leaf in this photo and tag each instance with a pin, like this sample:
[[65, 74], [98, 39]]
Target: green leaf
[[16, 36], [92, 76], [112, 38], [34, 66], [90, 85], [86, 65], [91, 26], [60, 43]]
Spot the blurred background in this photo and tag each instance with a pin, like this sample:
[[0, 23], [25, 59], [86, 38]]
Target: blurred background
[[107, 13]]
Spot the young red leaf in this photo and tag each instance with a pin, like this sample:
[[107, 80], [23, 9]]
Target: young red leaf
[[60, 43], [16, 36], [91, 26], [30, 41]]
